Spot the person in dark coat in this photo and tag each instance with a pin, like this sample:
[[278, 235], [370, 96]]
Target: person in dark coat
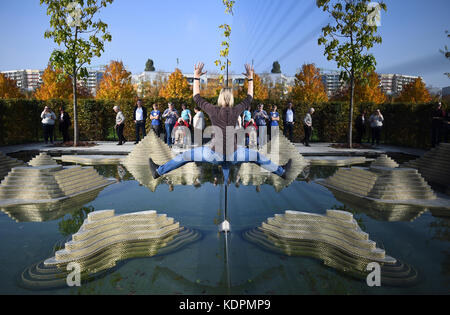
[[360, 125], [436, 124], [64, 124], [289, 121], [140, 118]]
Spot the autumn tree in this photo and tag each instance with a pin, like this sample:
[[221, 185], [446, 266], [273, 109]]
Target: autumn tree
[[9, 88], [348, 39], [367, 90], [153, 87], [212, 88], [309, 88], [55, 85], [80, 37], [415, 93], [260, 90], [176, 87], [116, 83]]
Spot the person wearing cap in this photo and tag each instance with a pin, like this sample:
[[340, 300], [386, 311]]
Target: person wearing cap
[[48, 124], [120, 124], [307, 126]]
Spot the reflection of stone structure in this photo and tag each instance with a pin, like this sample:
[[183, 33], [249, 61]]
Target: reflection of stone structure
[[43, 159], [92, 159], [385, 185], [252, 174], [137, 163], [379, 211], [335, 238], [42, 212], [332, 161], [104, 239], [434, 166], [7, 163], [47, 184]]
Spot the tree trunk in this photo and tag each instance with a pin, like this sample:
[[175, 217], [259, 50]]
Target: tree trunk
[[350, 115], [75, 113], [74, 81]]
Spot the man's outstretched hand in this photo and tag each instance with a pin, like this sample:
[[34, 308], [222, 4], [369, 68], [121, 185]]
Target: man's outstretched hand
[[249, 71], [198, 72]]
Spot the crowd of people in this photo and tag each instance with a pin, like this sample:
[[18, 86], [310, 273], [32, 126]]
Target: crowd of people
[[173, 121], [176, 125]]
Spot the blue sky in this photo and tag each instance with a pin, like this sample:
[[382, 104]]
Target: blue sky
[[263, 30]]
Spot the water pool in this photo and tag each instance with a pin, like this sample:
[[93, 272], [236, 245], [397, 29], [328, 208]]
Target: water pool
[[204, 266]]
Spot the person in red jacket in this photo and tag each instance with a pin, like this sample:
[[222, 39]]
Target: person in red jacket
[[179, 132]]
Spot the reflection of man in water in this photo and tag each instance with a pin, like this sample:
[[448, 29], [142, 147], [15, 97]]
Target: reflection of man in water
[[121, 172], [222, 116]]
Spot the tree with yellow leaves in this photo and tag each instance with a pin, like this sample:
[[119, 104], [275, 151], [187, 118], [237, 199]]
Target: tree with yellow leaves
[[309, 88], [152, 88], [116, 83], [8, 88], [260, 90], [367, 90], [177, 87], [55, 85], [415, 92], [212, 89]]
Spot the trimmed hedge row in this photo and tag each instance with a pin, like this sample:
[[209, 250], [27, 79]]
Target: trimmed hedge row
[[405, 124]]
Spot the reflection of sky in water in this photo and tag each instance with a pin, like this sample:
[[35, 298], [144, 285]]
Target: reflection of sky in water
[[199, 267]]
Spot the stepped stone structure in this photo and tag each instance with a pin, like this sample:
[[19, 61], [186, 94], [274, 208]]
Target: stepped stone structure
[[385, 161], [434, 166], [334, 238], [105, 239], [385, 185], [44, 184], [7, 163], [43, 159]]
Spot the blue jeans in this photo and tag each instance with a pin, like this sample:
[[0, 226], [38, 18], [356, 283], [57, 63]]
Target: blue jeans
[[206, 155], [169, 128]]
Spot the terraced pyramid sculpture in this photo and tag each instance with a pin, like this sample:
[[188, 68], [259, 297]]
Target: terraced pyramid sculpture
[[42, 159], [385, 185], [434, 166], [334, 238], [47, 184], [385, 161], [252, 174], [105, 239], [7, 163], [137, 163]]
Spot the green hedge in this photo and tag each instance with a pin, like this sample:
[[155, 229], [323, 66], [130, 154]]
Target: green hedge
[[405, 124]]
